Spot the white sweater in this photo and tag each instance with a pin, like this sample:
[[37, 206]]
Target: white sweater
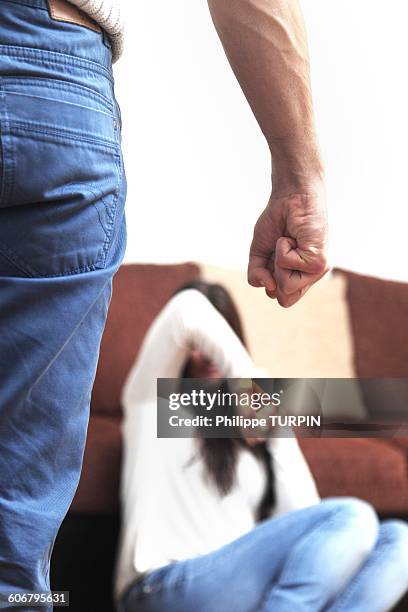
[[169, 511], [108, 15]]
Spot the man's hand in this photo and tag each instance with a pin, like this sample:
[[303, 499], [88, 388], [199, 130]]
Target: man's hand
[[288, 250]]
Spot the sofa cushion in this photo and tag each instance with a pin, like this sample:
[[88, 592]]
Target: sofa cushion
[[369, 468], [139, 293], [311, 340]]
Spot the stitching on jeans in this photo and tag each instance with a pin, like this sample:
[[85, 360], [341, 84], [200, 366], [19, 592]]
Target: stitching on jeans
[[25, 126], [100, 261], [55, 57], [16, 260], [101, 256], [37, 4], [8, 150], [90, 268], [13, 260], [32, 273], [112, 215], [2, 147], [72, 103], [59, 85]]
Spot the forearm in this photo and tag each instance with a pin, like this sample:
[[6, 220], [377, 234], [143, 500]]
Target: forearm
[[265, 42], [187, 321], [294, 483], [205, 329]]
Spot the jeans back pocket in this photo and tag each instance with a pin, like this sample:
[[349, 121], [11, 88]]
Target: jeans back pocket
[[62, 171]]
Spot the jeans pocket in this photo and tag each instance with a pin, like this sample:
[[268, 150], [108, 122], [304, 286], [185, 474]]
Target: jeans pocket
[[61, 175]]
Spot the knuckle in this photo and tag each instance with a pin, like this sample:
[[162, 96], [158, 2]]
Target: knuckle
[[320, 263]]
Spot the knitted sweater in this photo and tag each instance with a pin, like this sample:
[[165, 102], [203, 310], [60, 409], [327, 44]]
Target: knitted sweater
[[108, 15]]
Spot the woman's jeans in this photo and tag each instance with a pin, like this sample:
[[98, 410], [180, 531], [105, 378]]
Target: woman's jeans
[[333, 556], [62, 238]]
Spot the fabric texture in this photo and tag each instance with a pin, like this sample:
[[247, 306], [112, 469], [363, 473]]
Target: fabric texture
[[107, 13], [62, 238], [163, 479], [333, 556]]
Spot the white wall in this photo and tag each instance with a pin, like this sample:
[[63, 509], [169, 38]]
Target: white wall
[[198, 167]]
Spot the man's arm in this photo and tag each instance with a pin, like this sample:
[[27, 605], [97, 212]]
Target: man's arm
[[265, 42]]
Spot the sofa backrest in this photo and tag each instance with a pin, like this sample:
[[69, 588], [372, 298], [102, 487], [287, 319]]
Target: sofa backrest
[[378, 311]]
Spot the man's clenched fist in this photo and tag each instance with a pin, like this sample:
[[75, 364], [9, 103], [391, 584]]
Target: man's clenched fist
[[289, 249]]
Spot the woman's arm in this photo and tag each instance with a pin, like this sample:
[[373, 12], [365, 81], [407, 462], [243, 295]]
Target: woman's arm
[[188, 321], [295, 486]]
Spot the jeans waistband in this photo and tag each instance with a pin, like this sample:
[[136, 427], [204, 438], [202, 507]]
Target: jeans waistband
[[28, 30]]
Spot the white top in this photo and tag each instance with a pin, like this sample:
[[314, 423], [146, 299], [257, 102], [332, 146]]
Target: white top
[[108, 15], [169, 511]]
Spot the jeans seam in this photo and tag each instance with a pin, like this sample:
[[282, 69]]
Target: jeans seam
[[56, 57], [60, 85], [101, 257], [3, 124], [111, 212], [30, 272], [7, 149], [26, 126], [81, 270], [33, 4], [14, 259]]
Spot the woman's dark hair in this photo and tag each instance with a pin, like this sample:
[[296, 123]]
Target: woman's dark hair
[[220, 455]]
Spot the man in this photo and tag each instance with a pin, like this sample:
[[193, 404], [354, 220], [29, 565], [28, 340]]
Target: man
[[62, 238], [62, 230]]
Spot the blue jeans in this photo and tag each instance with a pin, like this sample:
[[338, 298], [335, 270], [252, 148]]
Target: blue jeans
[[333, 557], [62, 238]]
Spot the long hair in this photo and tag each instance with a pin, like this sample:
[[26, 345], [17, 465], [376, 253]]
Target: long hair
[[220, 455]]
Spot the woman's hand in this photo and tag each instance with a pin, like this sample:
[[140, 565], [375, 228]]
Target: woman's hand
[[259, 433]]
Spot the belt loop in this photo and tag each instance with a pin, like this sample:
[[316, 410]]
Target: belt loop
[[106, 40]]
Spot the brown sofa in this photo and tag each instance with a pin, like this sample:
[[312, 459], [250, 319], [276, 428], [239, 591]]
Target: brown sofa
[[373, 469]]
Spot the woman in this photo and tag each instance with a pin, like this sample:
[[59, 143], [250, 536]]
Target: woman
[[220, 525]]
